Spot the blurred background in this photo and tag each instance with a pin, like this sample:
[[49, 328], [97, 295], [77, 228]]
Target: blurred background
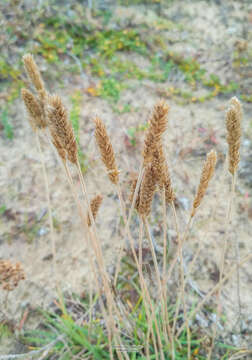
[[115, 59]]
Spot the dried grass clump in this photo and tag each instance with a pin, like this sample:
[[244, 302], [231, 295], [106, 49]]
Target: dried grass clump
[[94, 205], [10, 275], [157, 126], [233, 124], [206, 175], [106, 150], [61, 129]]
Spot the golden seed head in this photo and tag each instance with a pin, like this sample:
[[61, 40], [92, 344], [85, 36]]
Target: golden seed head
[[34, 74], [61, 128], [206, 175], [147, 190], [34, 110], [106, 150], [94, 205], [10, 275], [233, 125], [157, 126]]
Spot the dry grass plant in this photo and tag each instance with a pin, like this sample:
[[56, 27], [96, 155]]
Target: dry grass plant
[[47, 113]]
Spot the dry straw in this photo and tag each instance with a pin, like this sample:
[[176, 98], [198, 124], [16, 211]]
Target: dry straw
[[94, 205], [157, 126], [10, 275], [61, 129], [206, 175], [233, 124], [106, 150], [34, 110]]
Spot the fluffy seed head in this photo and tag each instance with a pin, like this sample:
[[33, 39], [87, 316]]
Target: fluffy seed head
[[34, 74], [10, 275], [61, 127], [94, 205], [233, 125], [34, 110], [147, 190], [157, 126], [106, 150], [206, 175]]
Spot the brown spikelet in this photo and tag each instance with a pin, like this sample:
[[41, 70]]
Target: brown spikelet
[[94, 205], [133, 187], [233, 124], [206, 175], [106, 150], [147, 190], [35, 112], [157, 126], [10, 275], [61, 151], [162, 174], [61, 128], [34, 74]]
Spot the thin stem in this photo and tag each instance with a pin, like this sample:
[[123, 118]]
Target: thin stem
[[222, 264], [182, 289], [213, 290], [127, 221], [52, 234]]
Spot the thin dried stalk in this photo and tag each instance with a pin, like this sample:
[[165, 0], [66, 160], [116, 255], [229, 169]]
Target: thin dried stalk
[[221, 282], [106, 150], [206, 175], [233, 124], [34, 110], [34, 75], [95, 205], [157, 126], [61, 128]]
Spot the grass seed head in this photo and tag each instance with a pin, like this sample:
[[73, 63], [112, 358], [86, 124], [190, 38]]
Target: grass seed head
[[94, 205], [157, 126], [106, 150], [233, 125], [206, 175], [34, 110], [147, 190], [61, 128], [34, 75], [10, 275]]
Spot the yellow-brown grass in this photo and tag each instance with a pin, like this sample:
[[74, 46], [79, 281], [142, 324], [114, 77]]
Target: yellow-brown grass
[[61, 128], [233, 124], [147, 190], [94, 205], [106, 150], [10, 275], [157, 126], [206, 175], [34, 75], [34, 110]]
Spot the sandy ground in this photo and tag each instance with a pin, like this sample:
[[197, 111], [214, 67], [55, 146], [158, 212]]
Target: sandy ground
[[193, 130]]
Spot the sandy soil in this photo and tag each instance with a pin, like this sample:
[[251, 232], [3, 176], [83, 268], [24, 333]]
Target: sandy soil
[[193, 130]]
